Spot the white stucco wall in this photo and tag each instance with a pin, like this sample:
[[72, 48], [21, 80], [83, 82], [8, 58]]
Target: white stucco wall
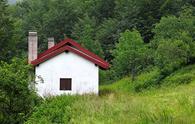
[[84, 74]]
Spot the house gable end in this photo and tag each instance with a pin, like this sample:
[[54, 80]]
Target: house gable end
[[70, 45]]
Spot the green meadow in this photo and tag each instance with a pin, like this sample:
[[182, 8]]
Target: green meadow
[[118, 103]]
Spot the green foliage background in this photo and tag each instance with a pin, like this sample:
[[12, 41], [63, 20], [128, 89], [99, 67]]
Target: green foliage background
[[146, 40]]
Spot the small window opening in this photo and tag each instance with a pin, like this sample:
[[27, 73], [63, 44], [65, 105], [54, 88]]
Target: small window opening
[[65, 83]]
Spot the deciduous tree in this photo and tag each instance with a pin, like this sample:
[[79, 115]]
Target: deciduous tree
[[7, 44], [130, 54], [84, 32]]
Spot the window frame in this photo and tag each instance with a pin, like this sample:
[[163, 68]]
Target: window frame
[[63, 84]]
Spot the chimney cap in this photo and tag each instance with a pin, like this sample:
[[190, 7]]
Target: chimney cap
[[32, 33]]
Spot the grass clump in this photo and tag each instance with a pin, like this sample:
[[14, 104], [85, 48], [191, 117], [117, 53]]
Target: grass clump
[[147, 80], [53, 110], [183, 76], [151, 79], [123, 85]]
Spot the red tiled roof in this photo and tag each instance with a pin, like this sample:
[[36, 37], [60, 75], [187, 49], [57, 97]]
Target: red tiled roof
[[72, 46]]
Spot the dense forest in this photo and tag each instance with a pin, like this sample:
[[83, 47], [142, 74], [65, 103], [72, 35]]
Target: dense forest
[[135, 36]]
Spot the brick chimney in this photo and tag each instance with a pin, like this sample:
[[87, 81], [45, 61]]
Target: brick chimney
[[32, 46], [50, 42]]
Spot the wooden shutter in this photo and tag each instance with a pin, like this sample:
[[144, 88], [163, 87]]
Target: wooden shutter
[[65, 83]]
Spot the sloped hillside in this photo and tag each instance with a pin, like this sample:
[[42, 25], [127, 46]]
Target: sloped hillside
[[118, 103]]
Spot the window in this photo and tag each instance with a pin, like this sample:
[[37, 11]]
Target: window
[[65, 83]]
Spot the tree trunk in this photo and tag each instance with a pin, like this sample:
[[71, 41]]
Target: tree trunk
[[133, 74]]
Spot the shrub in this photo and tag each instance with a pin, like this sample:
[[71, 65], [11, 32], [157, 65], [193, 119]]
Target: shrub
[[106, 77], [184, 79], [170, 55], [147, 79], [16, 98], [183, 76], [53, 110]]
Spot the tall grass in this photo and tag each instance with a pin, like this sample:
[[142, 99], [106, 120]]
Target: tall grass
[[115, 108], [118, 103]]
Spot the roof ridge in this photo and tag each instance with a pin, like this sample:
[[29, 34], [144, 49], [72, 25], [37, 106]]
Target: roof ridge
[[61, 46], [79, 47], [57, 46]]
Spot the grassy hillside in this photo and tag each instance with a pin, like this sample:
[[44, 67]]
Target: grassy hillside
[[118, 103]]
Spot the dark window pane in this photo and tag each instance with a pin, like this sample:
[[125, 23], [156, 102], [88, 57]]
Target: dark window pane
[[65, 83]]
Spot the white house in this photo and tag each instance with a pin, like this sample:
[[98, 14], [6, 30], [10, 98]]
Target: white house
[[65, 67]]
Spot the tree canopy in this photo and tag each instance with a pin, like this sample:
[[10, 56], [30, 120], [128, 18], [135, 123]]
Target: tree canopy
[[129, 54], [6, 32]]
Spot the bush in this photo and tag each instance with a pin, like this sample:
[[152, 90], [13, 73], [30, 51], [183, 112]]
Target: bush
[[171, 55], [147, 79], [182, 76], [53, 110], [106, 77], [16, 98], [151, 77], [184, 79]]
